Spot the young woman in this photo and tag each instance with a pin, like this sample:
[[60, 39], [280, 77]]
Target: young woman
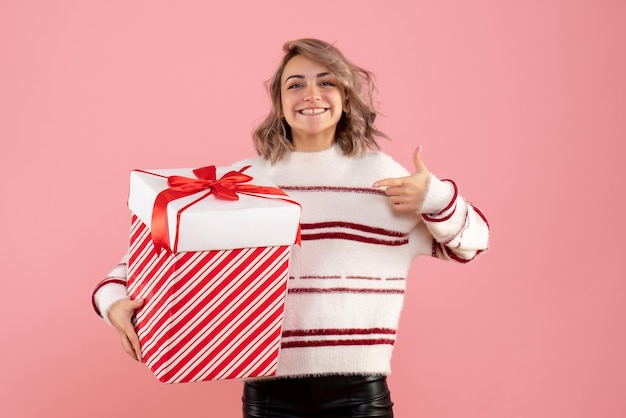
[[364, 219]]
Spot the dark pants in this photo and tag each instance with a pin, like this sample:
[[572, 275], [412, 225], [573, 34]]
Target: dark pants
[[317, 397]]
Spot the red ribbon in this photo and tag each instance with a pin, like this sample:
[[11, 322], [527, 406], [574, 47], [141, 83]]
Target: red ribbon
[[227, 187]]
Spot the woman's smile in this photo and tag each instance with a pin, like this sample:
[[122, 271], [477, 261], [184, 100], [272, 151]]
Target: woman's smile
[[312, 111]]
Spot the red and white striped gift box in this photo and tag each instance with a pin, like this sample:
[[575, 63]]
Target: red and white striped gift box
[[208, 315]]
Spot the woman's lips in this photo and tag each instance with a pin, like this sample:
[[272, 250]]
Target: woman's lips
[[312, 111]]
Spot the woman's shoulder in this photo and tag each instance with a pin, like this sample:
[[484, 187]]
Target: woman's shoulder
[[382, 164], [248, 161], [255, 163]]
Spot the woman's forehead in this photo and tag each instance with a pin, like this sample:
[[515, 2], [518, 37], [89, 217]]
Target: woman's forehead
[[303, 66]]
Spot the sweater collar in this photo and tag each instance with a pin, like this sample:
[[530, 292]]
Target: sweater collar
[[326, 156]]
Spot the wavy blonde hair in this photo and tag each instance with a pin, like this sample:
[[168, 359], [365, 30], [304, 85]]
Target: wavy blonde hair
[[355, 131]]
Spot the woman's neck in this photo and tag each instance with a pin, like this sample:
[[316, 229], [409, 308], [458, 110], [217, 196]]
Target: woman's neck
[[314, 142]]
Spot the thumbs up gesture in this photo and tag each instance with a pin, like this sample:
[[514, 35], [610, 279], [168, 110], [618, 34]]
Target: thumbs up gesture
[[406, 194]]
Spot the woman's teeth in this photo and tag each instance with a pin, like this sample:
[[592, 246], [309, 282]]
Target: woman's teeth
[[312, 111]]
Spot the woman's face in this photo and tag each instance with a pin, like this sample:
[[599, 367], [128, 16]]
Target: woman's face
[[312, 103]]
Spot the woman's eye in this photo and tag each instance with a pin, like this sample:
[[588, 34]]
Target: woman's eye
[[294, 85], [328, 83]]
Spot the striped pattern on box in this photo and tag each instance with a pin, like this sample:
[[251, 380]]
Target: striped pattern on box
[[207, 315]]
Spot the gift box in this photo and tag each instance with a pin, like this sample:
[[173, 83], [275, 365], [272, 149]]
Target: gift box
[[209, 253]]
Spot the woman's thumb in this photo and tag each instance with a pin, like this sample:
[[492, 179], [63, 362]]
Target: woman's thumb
[[417, 158]]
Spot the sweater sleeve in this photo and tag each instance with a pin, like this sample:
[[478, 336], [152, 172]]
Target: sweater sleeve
[[459, 230], [111, 289]]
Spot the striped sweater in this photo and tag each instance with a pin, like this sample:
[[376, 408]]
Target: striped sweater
[[348, 279]]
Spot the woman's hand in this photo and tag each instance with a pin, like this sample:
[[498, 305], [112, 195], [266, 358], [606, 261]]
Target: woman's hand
[[120, 315], [406, 194]]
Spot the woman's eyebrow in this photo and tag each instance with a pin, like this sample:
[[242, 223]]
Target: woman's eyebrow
[[324, 74]]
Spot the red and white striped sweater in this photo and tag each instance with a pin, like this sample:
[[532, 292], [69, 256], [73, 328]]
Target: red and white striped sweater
[[348, 279]]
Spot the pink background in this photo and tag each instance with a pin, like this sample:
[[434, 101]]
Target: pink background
[[523, 103]]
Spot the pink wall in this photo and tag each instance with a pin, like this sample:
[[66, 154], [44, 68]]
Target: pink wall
[[523, 103]]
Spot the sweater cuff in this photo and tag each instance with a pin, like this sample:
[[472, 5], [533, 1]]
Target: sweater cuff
[[106, 296], [439, 197]]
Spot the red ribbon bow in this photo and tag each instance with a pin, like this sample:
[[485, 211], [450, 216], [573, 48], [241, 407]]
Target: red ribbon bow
[[227, 187]]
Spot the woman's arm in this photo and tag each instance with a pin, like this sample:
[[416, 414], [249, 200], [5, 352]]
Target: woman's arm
[[456, 230], [460, 231], [111, 289], [110, 300]]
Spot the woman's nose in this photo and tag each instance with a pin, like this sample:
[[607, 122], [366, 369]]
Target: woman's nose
[[312, 93]]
